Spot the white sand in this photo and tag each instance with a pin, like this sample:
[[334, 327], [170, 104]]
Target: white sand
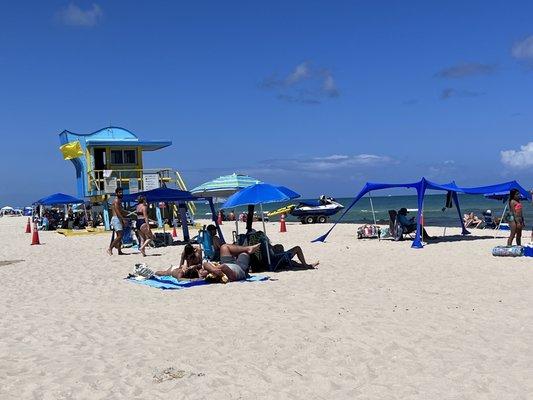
[[377, 320]]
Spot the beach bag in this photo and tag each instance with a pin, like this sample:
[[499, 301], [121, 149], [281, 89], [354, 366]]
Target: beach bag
[[385, 233], [528, 251], [508, 251], [367, 232]]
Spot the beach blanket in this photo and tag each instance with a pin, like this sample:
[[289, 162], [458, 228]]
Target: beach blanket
[[508, 251], [169, 282]]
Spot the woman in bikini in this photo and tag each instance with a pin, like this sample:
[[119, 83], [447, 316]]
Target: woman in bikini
[[142, 225], [516, 218], [190, 264]]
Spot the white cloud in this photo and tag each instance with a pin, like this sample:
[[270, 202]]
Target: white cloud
[[306, 84], [73, 15], [328, 86], [328, 163], [522, 158], [300, 72], [523, 50]]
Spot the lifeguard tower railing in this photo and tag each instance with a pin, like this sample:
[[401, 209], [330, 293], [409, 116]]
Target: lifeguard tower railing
[[101, 182]]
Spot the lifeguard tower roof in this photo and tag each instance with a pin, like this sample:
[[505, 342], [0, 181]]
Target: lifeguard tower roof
[[113, 136]]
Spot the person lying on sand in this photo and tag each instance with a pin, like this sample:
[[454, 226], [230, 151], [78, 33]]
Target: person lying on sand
[[234, 262], [277, 249], [298, 252]]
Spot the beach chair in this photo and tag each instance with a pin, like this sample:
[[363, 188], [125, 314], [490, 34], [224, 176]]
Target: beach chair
[[259, 260], [396, 229], [206, 243], [488, 221]]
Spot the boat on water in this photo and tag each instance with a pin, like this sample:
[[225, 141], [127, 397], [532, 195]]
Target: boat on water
[[310, 212]]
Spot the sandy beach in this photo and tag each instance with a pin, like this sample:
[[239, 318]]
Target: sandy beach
[[377, 320]]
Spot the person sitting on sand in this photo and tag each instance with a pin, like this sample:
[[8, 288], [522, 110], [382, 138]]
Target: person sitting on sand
[[190, 264], [471, 220], [409, 224]]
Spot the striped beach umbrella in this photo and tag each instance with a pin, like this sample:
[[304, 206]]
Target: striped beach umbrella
[[224, 186]]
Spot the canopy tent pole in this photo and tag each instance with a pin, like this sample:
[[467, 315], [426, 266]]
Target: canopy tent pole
[[501, 219], [236, 223], [372, 207], [182, 208], [455, 199], [214, 218], [249, 218], [264, 230], [420, 190]]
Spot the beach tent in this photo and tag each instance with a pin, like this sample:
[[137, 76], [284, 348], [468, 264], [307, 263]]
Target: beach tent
[[225, 186], [421, 187], [58, 199], [164, 194]]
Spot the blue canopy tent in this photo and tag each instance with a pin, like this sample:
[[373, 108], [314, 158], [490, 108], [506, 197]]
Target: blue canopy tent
[[57, 199], [181, 197], [421, 187]]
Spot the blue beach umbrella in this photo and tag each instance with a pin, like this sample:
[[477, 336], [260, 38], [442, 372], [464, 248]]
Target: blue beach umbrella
[[224, 186], [259, 194]]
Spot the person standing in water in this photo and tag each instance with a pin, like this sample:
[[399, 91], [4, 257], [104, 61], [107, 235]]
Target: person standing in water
[[117, 222], [516, 218]]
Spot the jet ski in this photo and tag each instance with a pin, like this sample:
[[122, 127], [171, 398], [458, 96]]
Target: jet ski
[[310, 212]]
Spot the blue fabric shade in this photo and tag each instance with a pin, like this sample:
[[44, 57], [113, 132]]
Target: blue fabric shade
[[162, 194], [57, 199], [260, 193], [501, 196], [421, 188]]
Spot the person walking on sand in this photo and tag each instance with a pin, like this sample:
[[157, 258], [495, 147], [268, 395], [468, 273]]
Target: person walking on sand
[[143, 224], [117, 222], [516, 218]]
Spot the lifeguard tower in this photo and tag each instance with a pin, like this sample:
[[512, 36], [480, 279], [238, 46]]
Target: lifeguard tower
[[112, 157]]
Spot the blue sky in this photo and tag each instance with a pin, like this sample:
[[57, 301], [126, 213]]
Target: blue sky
[[319, 96]]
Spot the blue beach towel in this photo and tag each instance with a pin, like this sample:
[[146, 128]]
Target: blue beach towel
[[169, 282]]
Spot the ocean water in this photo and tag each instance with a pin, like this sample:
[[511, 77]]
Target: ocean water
[[433, 204]]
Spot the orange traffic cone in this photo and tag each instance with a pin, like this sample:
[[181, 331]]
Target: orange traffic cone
[[219, 219], [174, 233], [35, 236], [28, 227], [282, 225]]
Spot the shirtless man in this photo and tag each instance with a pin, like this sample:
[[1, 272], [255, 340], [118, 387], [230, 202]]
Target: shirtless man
[[117, 222]]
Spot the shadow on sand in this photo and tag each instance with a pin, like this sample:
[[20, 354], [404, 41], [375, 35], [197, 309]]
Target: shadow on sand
[[459, 238]]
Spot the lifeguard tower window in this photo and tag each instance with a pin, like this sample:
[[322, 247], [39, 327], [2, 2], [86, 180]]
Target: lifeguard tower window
[[116, 157], [119, 157]]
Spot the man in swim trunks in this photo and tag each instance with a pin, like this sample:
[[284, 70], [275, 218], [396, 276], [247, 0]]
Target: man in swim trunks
[[234, 262], [117, 222]]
